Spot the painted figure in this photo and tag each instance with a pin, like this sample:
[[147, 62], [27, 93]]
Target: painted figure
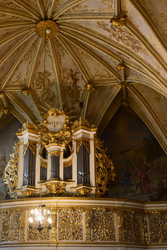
[[159, 195], [144, 178], [137, 179], [126, 183]]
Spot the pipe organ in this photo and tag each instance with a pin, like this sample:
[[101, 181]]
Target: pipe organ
[[43, 168]]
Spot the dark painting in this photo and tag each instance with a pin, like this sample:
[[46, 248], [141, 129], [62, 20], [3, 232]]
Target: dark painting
[[140, 162], [7, 139]]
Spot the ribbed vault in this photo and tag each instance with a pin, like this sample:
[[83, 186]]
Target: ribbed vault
[[91, 65]]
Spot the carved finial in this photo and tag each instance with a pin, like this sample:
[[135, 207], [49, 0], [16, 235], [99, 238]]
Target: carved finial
[[124, 103], [124, 84], [121, 66], [89, 87], [26, 91], [118, 21], [6, 111], [2, 94]]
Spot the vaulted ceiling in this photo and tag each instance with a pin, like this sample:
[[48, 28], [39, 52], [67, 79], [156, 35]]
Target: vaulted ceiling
[[105, 53]]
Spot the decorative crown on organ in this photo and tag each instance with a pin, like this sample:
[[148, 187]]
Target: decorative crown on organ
[[39, 163]]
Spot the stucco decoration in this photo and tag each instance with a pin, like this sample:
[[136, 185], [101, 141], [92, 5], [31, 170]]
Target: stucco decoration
[[79, 67]]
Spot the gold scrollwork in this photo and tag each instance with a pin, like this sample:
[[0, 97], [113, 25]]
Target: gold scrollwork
[[10, 225], [32, 146], [55, 187], [122, 34], [82, 123], [43, 163], [11, 172], [60, 137], [28, 126], [84, 191], [70, 224], [68, 163], [157, 222], [104, 168], [132, 226], [103, 220], [55, 153], [118, 21], [85, 142]]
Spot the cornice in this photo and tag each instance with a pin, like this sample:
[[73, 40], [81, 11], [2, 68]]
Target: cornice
[[14, 88]]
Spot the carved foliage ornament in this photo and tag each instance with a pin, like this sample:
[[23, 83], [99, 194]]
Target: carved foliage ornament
[[157, 224], [10, 225], [103, 225], [55, 127], [132, 226], [85, 142], [70, 224], [104, 168], [82, 123], [10, 173]]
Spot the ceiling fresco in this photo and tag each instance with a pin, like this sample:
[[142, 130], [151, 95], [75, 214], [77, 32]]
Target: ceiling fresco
[[103, 54]]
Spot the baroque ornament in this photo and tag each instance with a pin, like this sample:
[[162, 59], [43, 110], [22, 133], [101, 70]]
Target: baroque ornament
[[55, 127], [121, 34], [104, 168], [11, 172]]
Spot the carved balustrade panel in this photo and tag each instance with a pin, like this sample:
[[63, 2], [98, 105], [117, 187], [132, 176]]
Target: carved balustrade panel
[[157, 225], [33, 234], [132, 228], [10, 225], [103, 225], [70, 224], [86, 224]]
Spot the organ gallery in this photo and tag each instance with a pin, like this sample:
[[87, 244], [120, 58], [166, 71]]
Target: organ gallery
[[83, 124]]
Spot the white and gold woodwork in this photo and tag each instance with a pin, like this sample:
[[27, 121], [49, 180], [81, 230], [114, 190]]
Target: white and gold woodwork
[[85, 172], [84, 223]]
